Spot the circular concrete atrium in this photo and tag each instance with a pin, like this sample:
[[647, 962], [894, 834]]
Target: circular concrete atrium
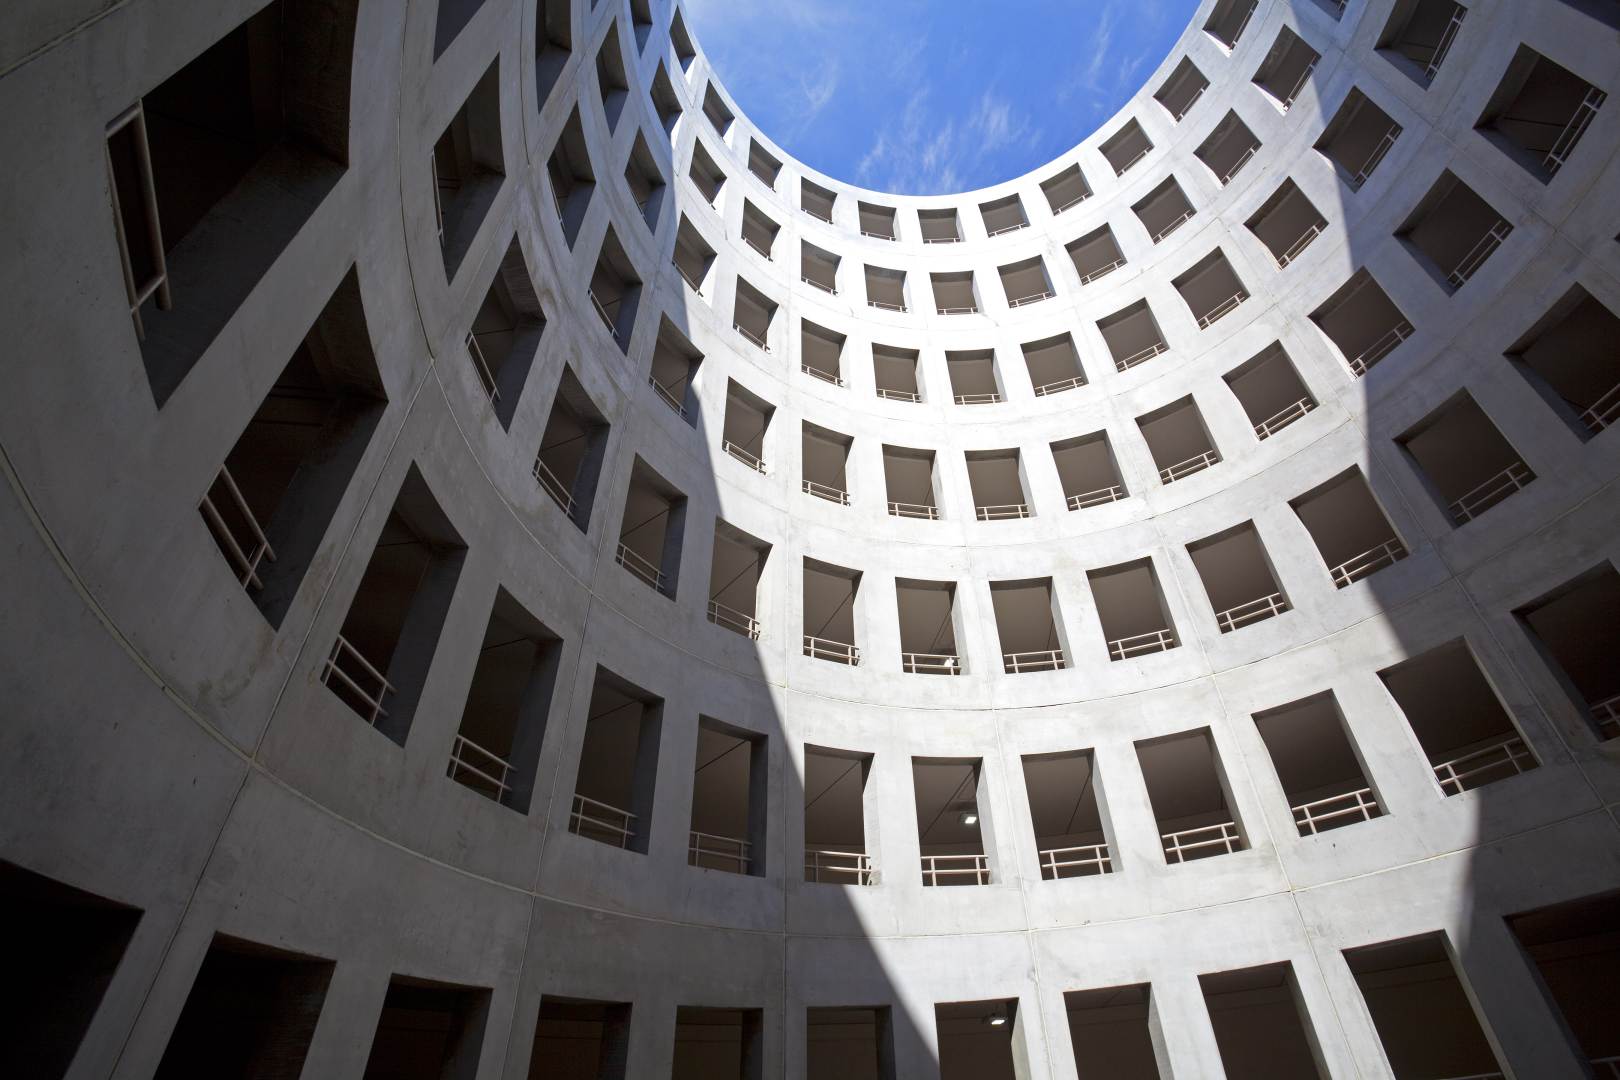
[[509, 574]]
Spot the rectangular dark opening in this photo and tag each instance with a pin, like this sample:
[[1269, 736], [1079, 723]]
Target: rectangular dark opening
[[428, 1031], [835, 844], [580, 1039], [1191, 799], [729, 826], [1260, 1022], [718, 1044], [949, 830], [1419, 1008], [1321, 770], [573, 180], [468, 169], [505, 334], [1575, 629], [848, 1043], [1575, 949], [618, 765], [569, 461], [1070, 838], [976, 1039], [1349, 527], [1111, 1033]]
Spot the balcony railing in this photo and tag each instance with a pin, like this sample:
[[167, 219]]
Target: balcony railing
[[974, 867], [822, 285], [666, 397], [346, 665], [603, 314], [875, 235], [1578, 123], [918, 663], [1312, 817], [157, 282], [1368, 562], [757, 246], [751, 336], [1381, 348], [1060, 385], [991, 398], [824, 491], [914, 510], [601, 821], [969, 309], [824, 376], [1606, 715], [912, 395], [1299, 245], [942, 240], [486, 378], [553, 486], [1486, 495], [742, 455], [1604, 411], [1002, 512], [1268, 427], [1222, 309], [1251, 612], [1086, 499], [1032, 298], [837, 651], [1359, 177], [1447, 36], [1017, 663], [1071, 204], [1495, 762], [1243, 25], [1087, 860], [1292, 96], [1142, 356], [731, 619], [1226, 177], [1121, 170], [717, 852], [885, 305], [1470, 263], [638, 565], [1185, 844], [1102, 271], [1177, 114], [1139, 644], [1183, 469], [817, 214], [1606, 1068], [839, 868], [1014, 227], [1186, 216], [692, 282], [244, 553], [478, 768]]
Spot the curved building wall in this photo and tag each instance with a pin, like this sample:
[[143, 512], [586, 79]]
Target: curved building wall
[[174, 743]]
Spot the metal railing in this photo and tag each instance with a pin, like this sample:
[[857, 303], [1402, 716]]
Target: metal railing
[[1086, 860], [1243, 25], [1447, 36], [731, 619], [1222, 309], [553, 486], [913, 510], [1564, 145], [1226, 177], [1060, 385], [692, 283], [757, 246], [1311, 817], [157, 283], [1299, 85], [1032, 298], [1006, 229], [824, 376], [1607, 1068], [879, 235], [817, 214], [627, 557], [1486, 495], [244, 558], [1604, 411], [1177, 114], [1606, 715], [970, 309], [666, 397], [1268, 427], [1121, 170], [1359, 177], [476, 767], [884, 305], [942, 239], [1002, 512], [1251, 612], [601, 821], [1141, 356], [824, 491], [748, 459], [826, 649], [1498, 761], [1111, 493], [920, 663], [912, 395], [703, 848], [839, 868], [344, 655], [1183, 844], [603, 314], [991, 398], [1362, 363], [1017, 663], [1071, 204], [1102, 271], [486, 378], [976, 867], [1470, 263], [1299, 245], [1137, 644], [751, 336], [1368, 562], [1183, 469], [1185, 217], [822, 285]]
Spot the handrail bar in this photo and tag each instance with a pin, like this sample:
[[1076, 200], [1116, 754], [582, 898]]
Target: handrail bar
[[1060, 385], [1470, 263], [757, 246], [1483, 496], [744, 456], [840, 652], [486, 378], [1368, 562], [686, 277], [1032, 298], [459, 753], [731, 619], [1002, 512], [1604, 411], [1373, 159], [942, 239], [1141, 356], [1283, 417], [978, 866], [879, 235], [819, 862], [1226, 178], [914, 510], [1381, 348], [822, 285], [1453, 777], [992, 398], [1153, 641], [884, 305], [1103, 271], [825, 491], [1186, 216], [668, 398], [602, 313], [1252, 611], [1223, 309], [1016, 663], [990, 233], [701, 845], [245, 563], [750, 335], [916, 663], [1183, 469], [912, 395], [1299, 85], [640, 566], [1224, 836], [824, 376], [1087, 499], [373, 701], [138, 293], [591, 813], [1299, 245], [1447, 36], [1072, 203], [1564, 145], [1091, 858], [1121, 170], [553, 486], [1310, 816], [971, 309]]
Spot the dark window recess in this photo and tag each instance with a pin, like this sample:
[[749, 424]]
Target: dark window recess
[[1575, 629], [573, 179], [468, 169], [1111, 1033], [1575, 948], [1260, 1024], [1570, 360], [64, 949], [453, 16], [1420, 1009], [611, 82], [578, 1039], [269, 506], [428, 1031], [217, 169], [569, 461], [505, 334], [251, 1013], [718, 1044], [553, 44], [1539, 113], [849, 1043]]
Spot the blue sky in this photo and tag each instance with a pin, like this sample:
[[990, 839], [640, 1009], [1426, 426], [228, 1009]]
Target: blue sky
[[933, 96]]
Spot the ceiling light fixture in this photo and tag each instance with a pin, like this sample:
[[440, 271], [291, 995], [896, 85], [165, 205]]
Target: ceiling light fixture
[[968, 817]]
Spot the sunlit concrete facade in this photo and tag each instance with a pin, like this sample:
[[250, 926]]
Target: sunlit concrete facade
[[1291, 328]]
